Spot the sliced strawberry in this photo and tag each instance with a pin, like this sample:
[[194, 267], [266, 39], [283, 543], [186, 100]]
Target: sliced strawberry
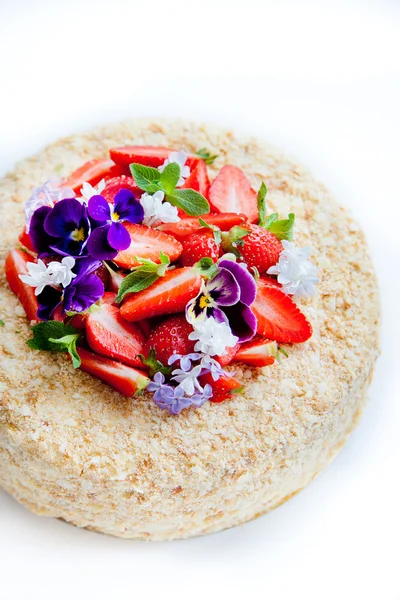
[[199, 245], [15, 265], [170, 336], [116, 278], [231, 192], [25, 241], [108, 298], [151, 156], [278, 317], [198, 179], [257, 353], [145, 326], [122, 378], [190, 225], [224, 388], [107, 333], [260, 248], [167, 295], [147, 242], [123, 182], [228, 357], [92, 172]]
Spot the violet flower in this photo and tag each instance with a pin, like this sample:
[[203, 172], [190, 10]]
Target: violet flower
[[227, 298], [174, 399], [111, 236], [83, 291], [63, 229]]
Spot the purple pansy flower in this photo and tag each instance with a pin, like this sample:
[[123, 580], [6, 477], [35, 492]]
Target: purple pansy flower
[[83, 291], [111, 236], [63, 229], [227, 297]]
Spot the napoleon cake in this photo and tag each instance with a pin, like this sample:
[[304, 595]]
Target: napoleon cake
[[188, 329]]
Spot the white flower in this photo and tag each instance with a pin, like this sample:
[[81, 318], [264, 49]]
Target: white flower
[[156, 211], [55, 273], [187, 380], [46, 195], [296, 273], [87, 190], [179, 158], [212, 337]]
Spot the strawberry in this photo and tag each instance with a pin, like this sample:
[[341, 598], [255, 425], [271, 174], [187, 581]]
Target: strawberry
[[109, 298], [15, 265], [107, 333], [170, 337], [151, 156], [258, 352], [199, 245], [25, 241], [190, 225], [115, 280], [231, 192], [167, 295], [278, 317], [92, 172], [123, 182], [260, 248], [229, 356], [145, 326], [147, 243], [122, 378], [198, 179], [224, 388]]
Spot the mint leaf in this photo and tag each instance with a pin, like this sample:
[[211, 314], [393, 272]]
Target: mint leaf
[[214, 228], [206, 267], [170, 177], [193, 203], [262, 209], [2, 323], [136, 282], [68, 343], [152, 188], [271, 219], [145, 176], [155, 366], [206, 156], [283, 229], [54, 336]]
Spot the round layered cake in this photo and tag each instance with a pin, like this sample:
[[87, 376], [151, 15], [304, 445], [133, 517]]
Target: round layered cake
[[72, 447]]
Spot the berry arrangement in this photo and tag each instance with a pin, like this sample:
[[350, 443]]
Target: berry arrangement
[[153, 278]]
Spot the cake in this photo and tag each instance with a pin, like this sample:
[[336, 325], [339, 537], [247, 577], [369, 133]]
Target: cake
[[74, 448]]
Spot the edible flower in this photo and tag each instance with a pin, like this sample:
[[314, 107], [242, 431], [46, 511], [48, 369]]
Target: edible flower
[[45, 195], [295, 272], [87, 190], [226, 298], [174, 399], [213, 337], [55, 273], [108, 239], [179, 158], [156, 211]]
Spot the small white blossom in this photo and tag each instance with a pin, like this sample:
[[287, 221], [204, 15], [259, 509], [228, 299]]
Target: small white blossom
[[87, 190], [156, 211], [187, 380], [179, 158], [295, 272], [46, 195], [55, 273], [212, 337]]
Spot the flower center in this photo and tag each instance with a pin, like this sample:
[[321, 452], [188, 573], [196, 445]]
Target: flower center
[[114, 217], [205, 301], [78, 235]]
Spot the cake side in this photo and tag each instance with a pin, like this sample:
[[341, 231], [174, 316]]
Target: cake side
[[71, 447]]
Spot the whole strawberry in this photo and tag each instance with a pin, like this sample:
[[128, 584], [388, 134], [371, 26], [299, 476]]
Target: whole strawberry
[[257, 246], [197, 246], [171, 336]]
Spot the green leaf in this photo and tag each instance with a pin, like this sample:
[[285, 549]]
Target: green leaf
[[214, 228], [155, 366], [145, 176], [170, 177], [54, 336], [262, 209], [233, 239], [164, 258], [152, 188], [283, 229], [68, 343], [2, 323], [271, 219], [136, 282], [193, 203], [206, 156], [206, 267]]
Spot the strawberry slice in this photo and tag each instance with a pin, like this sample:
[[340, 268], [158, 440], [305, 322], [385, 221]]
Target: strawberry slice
[[231, 192], [107, 333], [229, 356], [147, 243], [198, 179], [25, 241], [15, 265], [151, 156], [167, 295], [224, 388], [92, 172], [122, 378], [171, 336], [115, 184], [190, 225], [278, 317], [257, 353]]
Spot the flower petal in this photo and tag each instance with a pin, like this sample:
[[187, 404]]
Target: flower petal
[[99, 209], [66, 216], [242, 321], [48, 301], [98, 246], [86, 292], [223, 288], [40, 239], [127, 207], [248, 288], [118, 237]]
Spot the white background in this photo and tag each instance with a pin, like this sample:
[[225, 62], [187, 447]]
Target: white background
[[321, 79]]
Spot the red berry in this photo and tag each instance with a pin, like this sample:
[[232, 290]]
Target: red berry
[[116, 184], [171, 336], [260, 248], [231, 192], [224, 388], [199, 245]]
